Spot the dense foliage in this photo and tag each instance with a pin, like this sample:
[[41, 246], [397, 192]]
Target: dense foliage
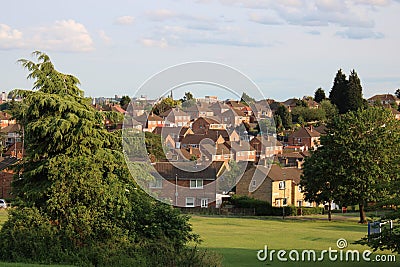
[[359, 162], [76, 201], [346, 94]]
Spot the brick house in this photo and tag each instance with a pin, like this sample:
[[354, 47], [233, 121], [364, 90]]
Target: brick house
[[186, 184], [305, 136], [175, 117], [276, 185], [266, 146]]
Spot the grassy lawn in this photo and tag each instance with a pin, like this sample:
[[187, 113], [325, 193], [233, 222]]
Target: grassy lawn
[[239, 239]]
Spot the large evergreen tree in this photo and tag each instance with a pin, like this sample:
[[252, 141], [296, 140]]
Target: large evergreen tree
[[354, 92], [319, 95], [339, 91], [285, 116], [347, 94], [75, 199]]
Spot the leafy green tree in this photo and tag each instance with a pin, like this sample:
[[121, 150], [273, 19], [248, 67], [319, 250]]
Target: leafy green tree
[[124, 102], [330, 109], [165, 104], [230, 177], [318, 181], [307, 114], [247, 100], [319, 95], [188, 100], [362, 150], [285, 116], [75, 199], [154, 146]]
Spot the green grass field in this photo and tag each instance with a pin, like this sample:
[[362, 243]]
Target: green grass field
[[239, 239]]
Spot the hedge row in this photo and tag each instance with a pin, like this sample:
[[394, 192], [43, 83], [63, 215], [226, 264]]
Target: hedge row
[[264, 208]]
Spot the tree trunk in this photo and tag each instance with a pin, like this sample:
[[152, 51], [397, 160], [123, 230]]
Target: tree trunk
[[363, 218], [329, 211]]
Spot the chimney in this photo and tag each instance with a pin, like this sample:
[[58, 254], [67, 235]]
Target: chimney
[[311, 128]]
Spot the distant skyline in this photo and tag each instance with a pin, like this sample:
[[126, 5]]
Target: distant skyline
[[289, 48]]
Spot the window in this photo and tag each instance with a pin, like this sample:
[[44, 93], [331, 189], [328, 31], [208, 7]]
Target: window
[[300, 188], [156, 183], [196, 184], [254, 183], [284, 201], [190, 202], [299, 203], [282, 185], [204, 203]]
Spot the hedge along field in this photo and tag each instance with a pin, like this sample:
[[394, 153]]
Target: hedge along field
[[239, 239]]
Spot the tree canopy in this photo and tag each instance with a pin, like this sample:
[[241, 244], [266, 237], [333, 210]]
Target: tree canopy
[[319, 95], [346, 94], [360, 158]]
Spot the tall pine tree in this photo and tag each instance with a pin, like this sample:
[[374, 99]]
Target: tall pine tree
[[338, 93], [346, 94]]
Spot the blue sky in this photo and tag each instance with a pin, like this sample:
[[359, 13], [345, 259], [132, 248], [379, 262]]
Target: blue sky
[[288, 48]]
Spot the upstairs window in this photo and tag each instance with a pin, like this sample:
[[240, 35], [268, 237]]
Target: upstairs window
[[196, 184]]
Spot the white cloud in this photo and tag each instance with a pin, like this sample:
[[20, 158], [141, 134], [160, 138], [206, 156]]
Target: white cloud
[[63, 35], [359, 34], [268, 19], [10, 38], [149, 42], [106, 39], [125, 20], [161, 14]]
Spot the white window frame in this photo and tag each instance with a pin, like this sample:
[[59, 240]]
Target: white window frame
[[204, 203], [282, 185], [198, 184], [156, 183], [189, 202], [284, 201]]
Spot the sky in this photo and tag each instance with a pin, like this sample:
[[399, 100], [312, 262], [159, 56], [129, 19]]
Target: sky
[[288, 48]]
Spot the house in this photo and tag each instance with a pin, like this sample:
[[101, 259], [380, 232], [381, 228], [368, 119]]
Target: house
[[234, 118], [395, 113], [271, 183], [217, 152], [5, 120], [243, 151], [6, 176], [384, 99], [266, 146], [305, 136], [202, 125], [15, 150], [218, 108], [150, 122], [12, 133], [291, 103], [199, 110], [176, 133], [236, 105], [175, 117], [186, 184], [261, 111]]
